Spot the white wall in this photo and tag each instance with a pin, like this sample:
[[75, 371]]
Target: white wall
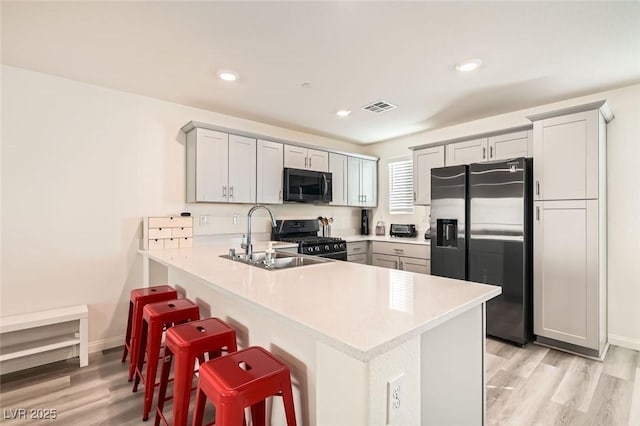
[[81, 165], [623, 157]]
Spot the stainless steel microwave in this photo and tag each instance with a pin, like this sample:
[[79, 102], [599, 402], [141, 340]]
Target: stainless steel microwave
[[307, 186]]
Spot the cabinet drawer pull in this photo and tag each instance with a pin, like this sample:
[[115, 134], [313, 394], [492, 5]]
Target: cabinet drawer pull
[[490, 152], [398, 250], [357, 248]]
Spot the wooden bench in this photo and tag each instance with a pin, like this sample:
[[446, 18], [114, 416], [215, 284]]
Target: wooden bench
[[29, 321]]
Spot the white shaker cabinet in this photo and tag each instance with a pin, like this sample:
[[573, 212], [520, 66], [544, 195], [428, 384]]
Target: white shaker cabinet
[[362, 185], [358, 252], [402, 256], [567, 299], [338, 169], [510, 145], [297, 157], [220, 167], [466, 152], [570, 232], [269, 171], [423, 161], [566, 153]]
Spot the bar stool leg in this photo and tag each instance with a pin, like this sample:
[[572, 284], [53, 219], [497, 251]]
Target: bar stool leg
[[127, 338], [164, 381], [183, 377], [258, 414], [198, 410], [153, 341], [287, 399], [140, 357]]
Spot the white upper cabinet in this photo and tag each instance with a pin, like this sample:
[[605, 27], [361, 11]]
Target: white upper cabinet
[[269, 168], [362, 185], [510, 145], [242, 169], [207, 166], [220, 167], [467, 152], [423, 161], [566, 156], [338, 169], [296, 157]]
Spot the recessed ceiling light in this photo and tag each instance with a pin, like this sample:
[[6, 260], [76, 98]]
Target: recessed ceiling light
[[343, 113], [468, 65], [228, 75]]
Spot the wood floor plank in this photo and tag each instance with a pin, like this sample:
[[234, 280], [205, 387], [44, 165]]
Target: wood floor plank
[[634, 413], [579, 384], [621, 363], [557, 414], [526, 360], [493, 363], [501, 349], [611, 402], [529, 398], [501, 387], [558, 359]]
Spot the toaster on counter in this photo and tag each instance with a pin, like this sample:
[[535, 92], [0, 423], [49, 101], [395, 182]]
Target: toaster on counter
[[408, 231]]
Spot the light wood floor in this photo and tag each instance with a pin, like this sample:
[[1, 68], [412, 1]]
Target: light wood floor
[[525, 386]]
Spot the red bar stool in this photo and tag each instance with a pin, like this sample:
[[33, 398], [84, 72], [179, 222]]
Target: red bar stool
[[139, 298], [242, 379], [187, 342], [157, 317]]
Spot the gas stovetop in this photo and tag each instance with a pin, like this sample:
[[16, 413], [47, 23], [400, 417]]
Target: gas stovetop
[[305, 234]]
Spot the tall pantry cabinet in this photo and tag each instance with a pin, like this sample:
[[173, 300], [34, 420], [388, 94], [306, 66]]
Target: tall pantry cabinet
[[570, 230]]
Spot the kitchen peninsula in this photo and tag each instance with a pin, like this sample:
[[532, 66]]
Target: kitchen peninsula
[[349, 332]]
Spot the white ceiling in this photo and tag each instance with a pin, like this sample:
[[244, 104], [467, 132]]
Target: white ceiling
[[352, 53]]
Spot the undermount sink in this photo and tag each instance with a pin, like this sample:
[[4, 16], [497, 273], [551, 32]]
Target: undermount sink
[[282, 260]]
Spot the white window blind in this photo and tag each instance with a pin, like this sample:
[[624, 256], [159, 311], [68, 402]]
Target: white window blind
[[401, 186]]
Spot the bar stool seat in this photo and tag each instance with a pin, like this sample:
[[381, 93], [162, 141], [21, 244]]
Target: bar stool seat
[[138, 299], [157, 317], [188, 342], [243, 379]]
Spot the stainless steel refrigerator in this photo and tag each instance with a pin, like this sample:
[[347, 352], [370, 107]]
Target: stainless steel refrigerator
[[481, 230]]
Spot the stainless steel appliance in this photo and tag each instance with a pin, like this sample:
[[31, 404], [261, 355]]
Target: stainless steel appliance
[[407, 231], [305, 233], [307, 186], [482, 231], [364, 221]]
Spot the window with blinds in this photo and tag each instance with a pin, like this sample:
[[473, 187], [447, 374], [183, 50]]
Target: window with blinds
[[401, 186]]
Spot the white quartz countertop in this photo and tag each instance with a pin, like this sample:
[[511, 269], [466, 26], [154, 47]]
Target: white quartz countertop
[[417, 240], [360, 309]]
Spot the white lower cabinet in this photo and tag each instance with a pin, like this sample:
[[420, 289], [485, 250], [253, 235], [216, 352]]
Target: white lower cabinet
[[569, 304], [358, 252], [402, 256]]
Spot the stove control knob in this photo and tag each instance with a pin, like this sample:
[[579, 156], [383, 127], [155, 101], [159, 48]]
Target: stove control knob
[[341, 245], [317, 248], [310, 249], [326, 248], [335, 246]]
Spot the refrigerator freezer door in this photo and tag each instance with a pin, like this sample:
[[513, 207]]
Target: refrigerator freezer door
[[498, 244], [448, 222]]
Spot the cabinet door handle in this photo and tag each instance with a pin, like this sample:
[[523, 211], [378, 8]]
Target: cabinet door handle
[[231, 192], [538, 213], [401, 265], [309, 162], [280, 195], [414, 196], [490, 152], [484, 153], [537, 187], [224, 191], [305, 162]]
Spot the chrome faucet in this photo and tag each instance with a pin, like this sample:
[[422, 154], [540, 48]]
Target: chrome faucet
[[247, 245]]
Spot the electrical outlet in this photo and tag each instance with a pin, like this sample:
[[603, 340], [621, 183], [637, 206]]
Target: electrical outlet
[[394, 398], [236, 218], [203, 220]]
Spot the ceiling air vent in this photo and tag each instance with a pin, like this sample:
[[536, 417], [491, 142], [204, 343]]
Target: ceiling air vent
[[379, 106]]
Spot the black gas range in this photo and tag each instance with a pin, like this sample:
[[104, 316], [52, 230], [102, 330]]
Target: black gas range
[[304, 232]]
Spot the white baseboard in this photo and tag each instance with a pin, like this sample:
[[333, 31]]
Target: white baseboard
[[100, 345], [624, 342]]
